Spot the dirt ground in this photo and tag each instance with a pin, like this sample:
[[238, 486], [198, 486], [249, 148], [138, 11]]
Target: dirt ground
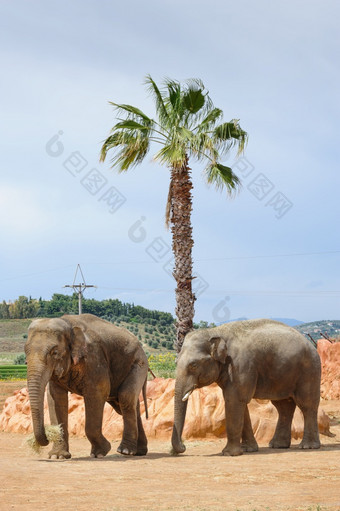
[[201, 479]]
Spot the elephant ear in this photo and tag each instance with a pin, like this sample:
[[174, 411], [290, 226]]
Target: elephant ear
[[78, 344], [218, 349]]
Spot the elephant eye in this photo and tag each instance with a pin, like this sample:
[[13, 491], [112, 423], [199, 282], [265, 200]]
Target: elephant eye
[[54, 352], [193, 366]]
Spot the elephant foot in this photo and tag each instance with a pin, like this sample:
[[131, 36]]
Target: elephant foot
[[99, 451], [253, 447], [132, 451], [279, 443], [127, 451], [180, 449], [59, 454], [142, 451], [305, 444], [232, 450]]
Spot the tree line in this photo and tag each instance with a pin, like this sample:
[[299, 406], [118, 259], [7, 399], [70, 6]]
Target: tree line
[[28, 307]]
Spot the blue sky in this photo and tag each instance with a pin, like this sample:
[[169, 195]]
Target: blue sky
[[272, 251]]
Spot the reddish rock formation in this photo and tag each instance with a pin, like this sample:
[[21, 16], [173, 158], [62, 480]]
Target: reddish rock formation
[[205, 415], [330, 360]]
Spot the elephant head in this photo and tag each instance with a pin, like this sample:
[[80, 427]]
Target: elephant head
[[199, 364], [52, 347]]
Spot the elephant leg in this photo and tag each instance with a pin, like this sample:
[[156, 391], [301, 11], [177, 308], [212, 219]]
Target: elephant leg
[[94, 408], [249, 443], [311, 439], [142, 442], [57, 399], [283, 431], [308, 399], [235, 413], [134, 439]]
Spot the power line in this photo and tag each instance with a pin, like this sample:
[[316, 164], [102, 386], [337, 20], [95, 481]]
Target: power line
[[231, 292], [269, 256], [151, 261], [236, 258]]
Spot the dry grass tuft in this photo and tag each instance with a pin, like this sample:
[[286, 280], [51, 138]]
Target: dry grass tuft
[[53, 434]]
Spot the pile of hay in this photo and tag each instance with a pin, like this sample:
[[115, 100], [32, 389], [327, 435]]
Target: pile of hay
[[53, 434]]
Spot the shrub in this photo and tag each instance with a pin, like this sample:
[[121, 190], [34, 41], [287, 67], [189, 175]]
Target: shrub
[[163, 365], [20, 359]]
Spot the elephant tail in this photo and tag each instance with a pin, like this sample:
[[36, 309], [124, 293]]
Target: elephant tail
[[145, 399]]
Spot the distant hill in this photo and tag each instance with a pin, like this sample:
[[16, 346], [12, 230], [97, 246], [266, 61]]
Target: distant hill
[[330, 328], [289, 321]]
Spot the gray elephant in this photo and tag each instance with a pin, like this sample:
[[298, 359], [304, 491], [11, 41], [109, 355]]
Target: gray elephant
[[95, 359], [262, 359]]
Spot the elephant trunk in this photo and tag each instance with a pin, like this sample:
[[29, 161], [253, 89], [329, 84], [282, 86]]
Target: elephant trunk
[[180, 412], [37, 378]]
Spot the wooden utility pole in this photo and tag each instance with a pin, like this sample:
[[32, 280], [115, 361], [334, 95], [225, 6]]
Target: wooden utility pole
[[79, 288]]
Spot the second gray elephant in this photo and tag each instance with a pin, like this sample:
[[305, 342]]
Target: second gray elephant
[[261, 359], [95, 359]]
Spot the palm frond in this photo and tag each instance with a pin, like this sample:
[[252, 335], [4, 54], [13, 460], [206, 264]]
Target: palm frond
[[222, 177], [210, 120], [130, 155], [185, 134], [197, 102], [159, 100], [131, 110], [233, 134], [202, 146], [174, 93], [129, 148], [194, 100], [130, 124], [110, 143], [171, 155]]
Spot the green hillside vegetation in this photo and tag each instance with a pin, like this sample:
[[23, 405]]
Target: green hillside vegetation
[[154, 329], [61, 304], [330, 328], [155, 338], [13, 334]]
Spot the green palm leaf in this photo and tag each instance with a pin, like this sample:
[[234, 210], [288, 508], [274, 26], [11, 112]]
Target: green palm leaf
[[131, 125], [171, 155], [159, 100], [209, 121], [222, 177], [194, 100], [132, 110], [233, 133]]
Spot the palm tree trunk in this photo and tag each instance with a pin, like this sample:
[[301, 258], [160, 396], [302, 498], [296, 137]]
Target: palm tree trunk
[[182, 243]]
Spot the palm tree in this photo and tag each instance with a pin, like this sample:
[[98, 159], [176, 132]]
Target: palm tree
[[187, 126]]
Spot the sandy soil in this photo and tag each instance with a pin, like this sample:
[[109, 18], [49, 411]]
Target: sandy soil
[[201, 479]]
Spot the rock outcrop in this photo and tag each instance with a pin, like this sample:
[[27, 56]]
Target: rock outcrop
[[330, 360]]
